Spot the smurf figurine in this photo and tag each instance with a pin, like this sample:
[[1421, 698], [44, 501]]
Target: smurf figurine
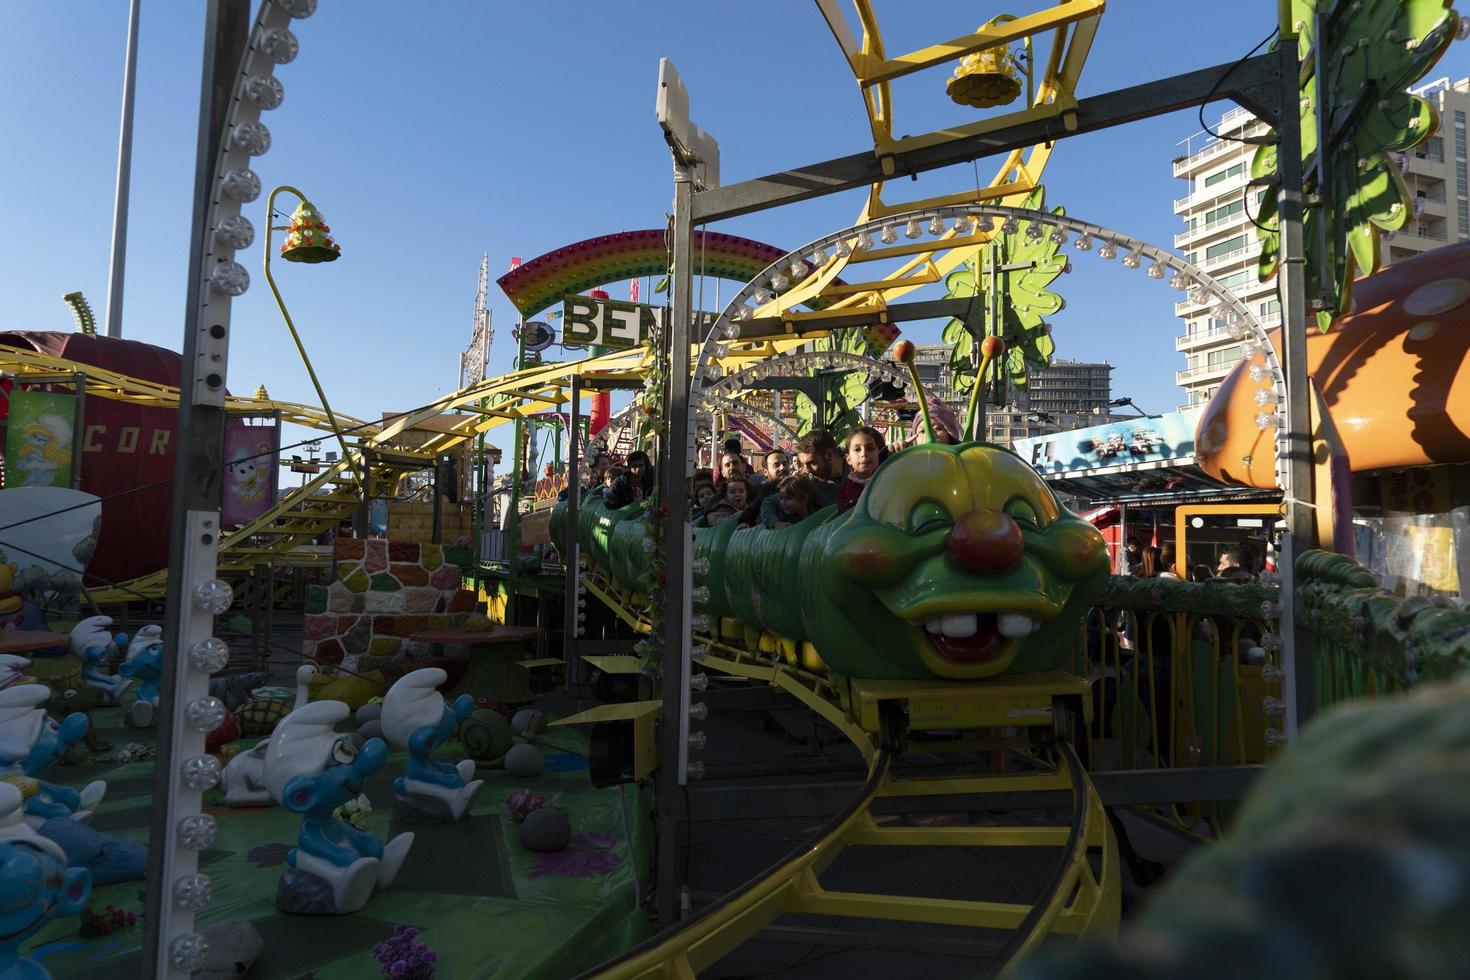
[[36, 886], [30, 743], [310, 769], [144, 664], [94, 646], [416, 718]]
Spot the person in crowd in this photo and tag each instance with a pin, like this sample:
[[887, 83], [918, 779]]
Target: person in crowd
[[594, 483], [864, 452], [817, 457], [731, 504], [795, 500], [621, 489], [1132, 558], [1233, 566], [1200, 573], [732, 445], [946, 426], [1167, 561], [1150, 568], [640, 467], [700, 495], [733, 465], [777, 465]]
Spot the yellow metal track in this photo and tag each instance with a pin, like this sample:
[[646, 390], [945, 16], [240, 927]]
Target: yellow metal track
[[1080, 899]]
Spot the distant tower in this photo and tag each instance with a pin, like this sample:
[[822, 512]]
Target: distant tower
[[473, 361]]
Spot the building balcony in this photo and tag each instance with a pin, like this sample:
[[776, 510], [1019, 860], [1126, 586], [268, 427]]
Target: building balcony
[[1201, 338], [1204, 372]]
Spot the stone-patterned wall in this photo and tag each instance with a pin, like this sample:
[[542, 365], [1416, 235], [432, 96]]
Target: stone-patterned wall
[[384, 592]]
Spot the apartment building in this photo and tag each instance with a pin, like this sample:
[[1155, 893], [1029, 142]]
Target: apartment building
[[1219, 234], [1066, 395]]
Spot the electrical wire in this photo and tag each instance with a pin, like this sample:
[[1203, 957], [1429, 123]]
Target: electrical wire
[[1221, 81]]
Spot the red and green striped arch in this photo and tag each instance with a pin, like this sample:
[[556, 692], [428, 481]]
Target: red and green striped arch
[[543, 281]]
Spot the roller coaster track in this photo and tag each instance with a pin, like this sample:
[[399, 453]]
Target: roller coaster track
[[1082, 895]]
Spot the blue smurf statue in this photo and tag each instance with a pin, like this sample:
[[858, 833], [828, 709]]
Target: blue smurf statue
[[31, 742], [95, 646], [144, 664], [312, 770], [36, 886], [416, 718]]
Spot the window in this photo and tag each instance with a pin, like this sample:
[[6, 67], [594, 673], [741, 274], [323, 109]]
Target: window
[[1235, 279], [1223, 211], [1224, 175], [1269, 308], [1222, 357], [1225, 248]]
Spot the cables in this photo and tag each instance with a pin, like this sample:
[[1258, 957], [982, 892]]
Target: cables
[[1230, 71]]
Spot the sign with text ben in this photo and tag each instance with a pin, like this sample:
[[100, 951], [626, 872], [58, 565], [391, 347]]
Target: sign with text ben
[[611, 322]]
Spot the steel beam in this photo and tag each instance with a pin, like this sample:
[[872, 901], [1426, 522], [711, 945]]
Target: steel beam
[[1253, 83]]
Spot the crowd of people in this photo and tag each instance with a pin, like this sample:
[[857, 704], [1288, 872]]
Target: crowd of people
[[1149, 561]]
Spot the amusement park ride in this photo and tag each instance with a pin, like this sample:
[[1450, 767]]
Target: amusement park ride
[[957, 611]]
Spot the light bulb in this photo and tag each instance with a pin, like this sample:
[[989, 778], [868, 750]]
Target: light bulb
[[266, 91], [963, 225], [189, 952], [912, 228], [699, 624], [278, 45], [1179, 281], [699, 711], [241, 185], [694, 770], [1235, 328], [1083, 242], [1250, 347], [1010, 226], [229, 279], [197, 831], [1034, 231], [741, 312], [1107, 250], [985, 223], [1264, 397], [732, 328], [888, 236], [205, 714], [936, 225], [1133, 259], [843, 248], [763, 295], [699, 566], [1260, 373], [699, 682], [300, 9], [698, 740], [797, 268], [191, 892], [699, 594], [1196, 294], [1275, 738], [779, 282], [865, 241], [252, 137], [214, 597], [235, 232], [1272, 674], [200, 772], [819, 258], [700, 651], [1271, 641], [1156, 271], [1058, 236], [1267, 420], [1272, 707]]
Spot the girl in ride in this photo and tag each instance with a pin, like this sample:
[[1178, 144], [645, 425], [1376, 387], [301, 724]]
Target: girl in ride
[[864, 451]]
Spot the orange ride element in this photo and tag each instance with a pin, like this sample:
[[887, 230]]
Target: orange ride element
[[1392, 375]]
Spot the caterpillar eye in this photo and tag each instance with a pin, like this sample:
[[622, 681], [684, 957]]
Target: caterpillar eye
[[1019, 509], [928, 516], [343, 752]]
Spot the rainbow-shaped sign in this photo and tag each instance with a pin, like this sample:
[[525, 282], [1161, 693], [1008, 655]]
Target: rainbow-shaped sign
[[544, 280]]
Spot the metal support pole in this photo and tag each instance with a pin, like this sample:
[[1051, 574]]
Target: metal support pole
[[513, 519], [438, 532], [674, 718], [79, 420], [570, 548], [124, 178], [1297, 493], [194, 527]]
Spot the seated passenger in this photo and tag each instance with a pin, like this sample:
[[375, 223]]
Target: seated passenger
[[732, 502], [795, 500], [865, 451], [621, 490]]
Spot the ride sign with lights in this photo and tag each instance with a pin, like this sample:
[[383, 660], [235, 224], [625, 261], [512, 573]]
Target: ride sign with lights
[[612, 323]]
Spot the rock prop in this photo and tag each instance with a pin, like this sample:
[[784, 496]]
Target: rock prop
[[370, 729], [528, 721], [36, 886], [546, 829], [233, 949], [311, 770], [416, 718], [108, 857], [486, 736], [372, 711], [525, 760]]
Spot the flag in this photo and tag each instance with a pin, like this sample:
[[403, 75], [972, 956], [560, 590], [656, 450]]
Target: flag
[[515, 262], [633, 290]]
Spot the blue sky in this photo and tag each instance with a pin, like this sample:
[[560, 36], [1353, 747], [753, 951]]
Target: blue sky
[[431, 133]]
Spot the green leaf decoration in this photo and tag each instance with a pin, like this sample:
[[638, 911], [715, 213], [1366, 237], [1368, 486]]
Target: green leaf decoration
[[1374, 50], [1025, 300]]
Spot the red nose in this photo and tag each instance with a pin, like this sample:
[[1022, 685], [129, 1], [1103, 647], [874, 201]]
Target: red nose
[[986, 542]]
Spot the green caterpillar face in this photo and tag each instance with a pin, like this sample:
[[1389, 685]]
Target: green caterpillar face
[[957, 562]]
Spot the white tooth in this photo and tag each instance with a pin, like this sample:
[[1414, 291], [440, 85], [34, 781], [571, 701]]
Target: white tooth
[[934, 624], [958, 624], [1015, 624]]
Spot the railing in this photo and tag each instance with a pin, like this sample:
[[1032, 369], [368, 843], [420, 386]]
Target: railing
[[1181, 676], [1203, 370], [1368, 642], [1200, 336]]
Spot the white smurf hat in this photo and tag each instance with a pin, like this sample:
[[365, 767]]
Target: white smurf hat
[[301, 745], [13, 826], [59, 426], [411, 703], [144, 638], [20, 711], [91, 633]]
